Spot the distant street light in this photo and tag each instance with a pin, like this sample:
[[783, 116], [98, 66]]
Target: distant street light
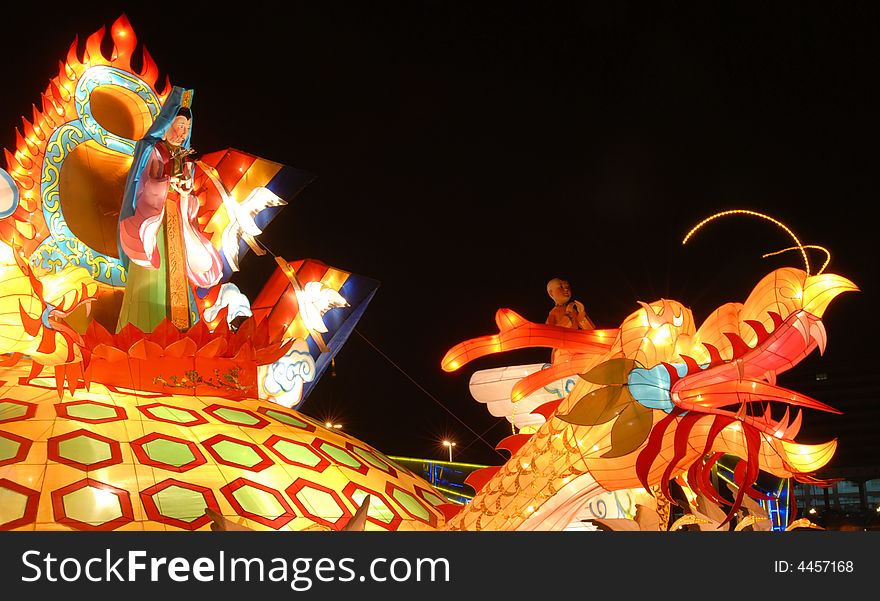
[[449, 444]]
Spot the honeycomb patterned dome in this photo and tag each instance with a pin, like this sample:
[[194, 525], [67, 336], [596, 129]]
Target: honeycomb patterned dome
[[113, 459]]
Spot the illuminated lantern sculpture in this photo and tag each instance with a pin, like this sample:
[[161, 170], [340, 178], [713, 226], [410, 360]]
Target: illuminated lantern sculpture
[[162, 428], [656, 399]]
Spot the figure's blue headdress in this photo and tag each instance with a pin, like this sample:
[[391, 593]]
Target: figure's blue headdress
[[178, 99]]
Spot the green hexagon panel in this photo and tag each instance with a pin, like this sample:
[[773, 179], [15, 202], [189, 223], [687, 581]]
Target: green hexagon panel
[[413, 506], [84, 450], [92, 505], [318, 503], [13, 448], [258, 502], [237, 417], [13, 411], [90, 411], [13, 505], [167, 452], [170, 414], [340, 456], [8, 448], [374, 459], [296, 453], [379, 511], [237, 453], [430, 497], [18, 505], [180, 504], [286, 418]]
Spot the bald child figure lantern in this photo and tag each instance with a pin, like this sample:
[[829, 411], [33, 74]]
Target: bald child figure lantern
[[567, 313]]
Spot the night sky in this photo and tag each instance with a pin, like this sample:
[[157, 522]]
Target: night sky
[[464, 155]]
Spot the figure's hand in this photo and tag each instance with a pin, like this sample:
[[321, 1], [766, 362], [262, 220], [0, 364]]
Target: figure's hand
[[182, 185], [186, 185]]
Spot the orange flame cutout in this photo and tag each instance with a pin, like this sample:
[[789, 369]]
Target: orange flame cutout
[[23, 228]]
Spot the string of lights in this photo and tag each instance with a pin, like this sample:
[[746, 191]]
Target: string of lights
[[431, 396]]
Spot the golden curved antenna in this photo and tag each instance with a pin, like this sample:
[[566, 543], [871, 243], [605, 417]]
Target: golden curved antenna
[[822, 248], [754, 214]]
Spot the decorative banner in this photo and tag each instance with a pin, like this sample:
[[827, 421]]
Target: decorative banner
[[252, 190], [286, 309]]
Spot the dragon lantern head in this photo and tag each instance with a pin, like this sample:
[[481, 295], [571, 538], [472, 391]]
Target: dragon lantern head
[[712, 389], [658, 398]]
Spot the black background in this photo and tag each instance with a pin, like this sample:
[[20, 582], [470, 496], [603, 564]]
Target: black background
[[466, 153]]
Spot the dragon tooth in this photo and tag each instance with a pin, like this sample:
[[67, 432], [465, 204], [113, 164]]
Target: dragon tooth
[[817, 333], [795, 427], [782, 426], [802, 325]]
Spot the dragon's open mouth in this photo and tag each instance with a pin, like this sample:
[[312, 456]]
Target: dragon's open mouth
[[744, 386]]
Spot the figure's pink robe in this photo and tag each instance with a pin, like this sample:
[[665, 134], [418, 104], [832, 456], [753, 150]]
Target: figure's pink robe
[[138, 234]]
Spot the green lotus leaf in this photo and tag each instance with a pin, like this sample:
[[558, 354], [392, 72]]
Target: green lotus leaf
[[598, 406], [613, 371], [630, 430]]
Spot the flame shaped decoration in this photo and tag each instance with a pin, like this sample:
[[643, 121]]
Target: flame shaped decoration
[[25, 228]]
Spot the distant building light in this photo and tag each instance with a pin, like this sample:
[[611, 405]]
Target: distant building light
[[821, 377]]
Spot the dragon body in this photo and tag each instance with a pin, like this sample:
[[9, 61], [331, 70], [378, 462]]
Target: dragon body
[[659, 399]]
